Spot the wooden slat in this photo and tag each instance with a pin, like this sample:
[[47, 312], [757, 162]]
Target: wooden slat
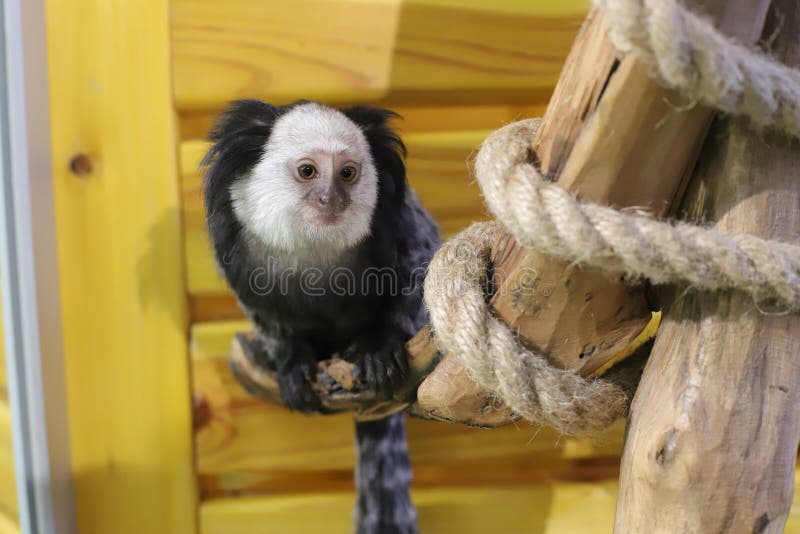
[[3, 374], [437, 169], [244, 445], [415, 119], [8, 525], [555, 508], [8, 490], [120, 264], [548, 508], [420, 51], [490, 472]]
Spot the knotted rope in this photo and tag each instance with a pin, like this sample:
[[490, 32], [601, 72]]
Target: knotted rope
[[692, 56]]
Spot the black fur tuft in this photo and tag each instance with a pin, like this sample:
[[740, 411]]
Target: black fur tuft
[[387, 149]]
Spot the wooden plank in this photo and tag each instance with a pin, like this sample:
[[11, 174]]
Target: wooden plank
[[3, 374], [480, 472], [362, 50], [243, 444], [415, 119], [8, 525], [721, 387], [120, 261], [8, 489], [547, 508], [437, 169]]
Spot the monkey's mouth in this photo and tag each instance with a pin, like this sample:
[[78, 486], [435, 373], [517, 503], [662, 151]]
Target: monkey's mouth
[[325, 218]]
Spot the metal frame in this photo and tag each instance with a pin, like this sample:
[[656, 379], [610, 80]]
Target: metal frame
[[29, 276]]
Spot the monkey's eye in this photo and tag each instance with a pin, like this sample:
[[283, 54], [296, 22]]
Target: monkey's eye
[[306, 171], [348, 173]]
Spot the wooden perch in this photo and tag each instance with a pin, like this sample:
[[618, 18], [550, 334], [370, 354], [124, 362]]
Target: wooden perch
[[338, 388]]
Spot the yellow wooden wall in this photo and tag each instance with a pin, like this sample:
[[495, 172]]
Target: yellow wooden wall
[[121, 267], [8, 493], [163, 441]]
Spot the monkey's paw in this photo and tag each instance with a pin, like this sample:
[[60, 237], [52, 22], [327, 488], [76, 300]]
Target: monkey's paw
[[381, 363], [295, 377]]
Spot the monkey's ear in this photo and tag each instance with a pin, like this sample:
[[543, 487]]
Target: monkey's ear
[[388, 150], [242, 116], [239, 136]]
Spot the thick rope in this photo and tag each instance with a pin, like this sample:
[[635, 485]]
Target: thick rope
[[692, 56], [494, 358], [548, 218]]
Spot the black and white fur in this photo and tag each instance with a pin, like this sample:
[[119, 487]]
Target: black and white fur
[[266, 219]]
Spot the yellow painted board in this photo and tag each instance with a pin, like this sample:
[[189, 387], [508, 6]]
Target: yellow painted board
[[120, 265], [557, 508], [8, 525], [560, 508], [3, 375], [8, 490], [421, 52], [415, 119], [241, 434], [437, 169]]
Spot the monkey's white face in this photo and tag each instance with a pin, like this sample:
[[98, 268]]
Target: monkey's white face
[[315, 188]]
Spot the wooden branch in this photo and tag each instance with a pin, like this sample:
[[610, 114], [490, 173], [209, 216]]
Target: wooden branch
[[714, 427], [335, 383]]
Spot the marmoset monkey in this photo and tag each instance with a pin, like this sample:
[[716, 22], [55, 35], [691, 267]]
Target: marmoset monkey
[[325, 245]]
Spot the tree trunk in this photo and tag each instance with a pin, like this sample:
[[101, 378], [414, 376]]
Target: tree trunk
[[714, 427]]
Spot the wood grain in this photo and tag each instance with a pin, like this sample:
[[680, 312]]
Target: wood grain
[[241, 441], [437, 169], [121, 267], [9, 514], [546, 508], [195, 124], [721, 386], [8, 490], [395, 51], [473, 473]]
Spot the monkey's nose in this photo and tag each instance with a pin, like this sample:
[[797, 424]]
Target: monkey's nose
[[324, 199]]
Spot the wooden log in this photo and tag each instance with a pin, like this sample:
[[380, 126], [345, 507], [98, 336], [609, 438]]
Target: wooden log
[[714, 427]]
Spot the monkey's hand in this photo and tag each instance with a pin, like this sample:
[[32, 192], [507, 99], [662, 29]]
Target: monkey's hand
[[381, 362], [295, 374]]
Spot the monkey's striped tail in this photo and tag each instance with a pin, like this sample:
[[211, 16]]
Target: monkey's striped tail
[[383, 478]]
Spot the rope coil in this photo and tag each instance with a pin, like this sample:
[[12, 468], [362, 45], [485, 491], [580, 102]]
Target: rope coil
[[690, 55]]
